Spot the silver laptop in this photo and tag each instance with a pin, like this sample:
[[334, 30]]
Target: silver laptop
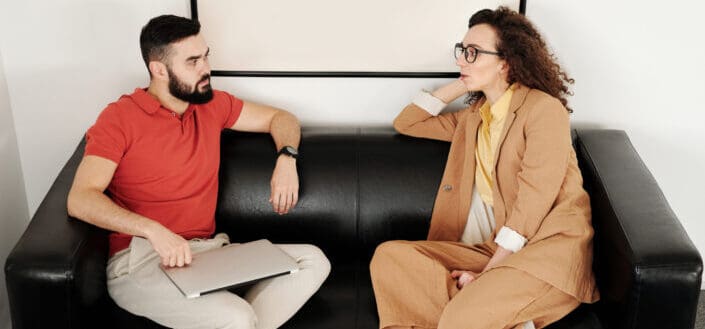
[[231, 266]]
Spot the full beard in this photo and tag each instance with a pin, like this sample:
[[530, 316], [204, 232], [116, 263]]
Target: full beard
[[184, 92]]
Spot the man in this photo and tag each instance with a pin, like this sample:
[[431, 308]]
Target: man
[[156, 151]]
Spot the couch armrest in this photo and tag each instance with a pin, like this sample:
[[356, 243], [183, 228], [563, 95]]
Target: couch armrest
[[647, 268], [56, 272]]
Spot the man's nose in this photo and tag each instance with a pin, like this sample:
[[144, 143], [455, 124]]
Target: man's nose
[[206, 67]]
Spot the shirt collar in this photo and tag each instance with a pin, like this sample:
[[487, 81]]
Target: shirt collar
[[145, 101], [500, 108]]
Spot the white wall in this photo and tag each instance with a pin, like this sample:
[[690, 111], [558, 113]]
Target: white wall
[[13, 201], [637, 65], [65, 61]]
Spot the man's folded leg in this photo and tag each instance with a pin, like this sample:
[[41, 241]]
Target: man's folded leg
[[136, 284], [277, 299]]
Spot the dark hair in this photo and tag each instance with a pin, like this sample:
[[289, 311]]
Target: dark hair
[[161, 31], [521, 45]]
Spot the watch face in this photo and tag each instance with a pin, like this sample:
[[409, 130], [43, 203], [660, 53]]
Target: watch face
[[291, 150]]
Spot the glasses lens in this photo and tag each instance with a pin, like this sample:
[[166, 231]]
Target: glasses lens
[[458, 51], [471, 54]]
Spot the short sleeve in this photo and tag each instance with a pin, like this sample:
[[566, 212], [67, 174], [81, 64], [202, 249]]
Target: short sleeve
[[106, 138], [234, 108]]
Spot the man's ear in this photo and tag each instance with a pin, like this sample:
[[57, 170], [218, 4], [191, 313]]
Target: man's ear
[[158, 70]]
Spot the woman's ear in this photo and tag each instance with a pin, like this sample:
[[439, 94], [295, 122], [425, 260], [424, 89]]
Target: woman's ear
[[502, 67]]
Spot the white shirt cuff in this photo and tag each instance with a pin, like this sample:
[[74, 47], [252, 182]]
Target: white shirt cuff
[[429, 103], [510, 239]]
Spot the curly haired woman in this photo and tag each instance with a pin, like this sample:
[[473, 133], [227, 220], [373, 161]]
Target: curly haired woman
[[510, 241]]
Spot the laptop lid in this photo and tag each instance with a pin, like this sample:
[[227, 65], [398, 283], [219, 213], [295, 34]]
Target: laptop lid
[[230, 266]]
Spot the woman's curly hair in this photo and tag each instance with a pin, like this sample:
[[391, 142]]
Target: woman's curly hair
[[521, 45]]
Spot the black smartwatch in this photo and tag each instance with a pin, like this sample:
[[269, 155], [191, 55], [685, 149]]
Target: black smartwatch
[[290, 151]]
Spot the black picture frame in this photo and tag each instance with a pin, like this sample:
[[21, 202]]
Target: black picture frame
[[333, 74]]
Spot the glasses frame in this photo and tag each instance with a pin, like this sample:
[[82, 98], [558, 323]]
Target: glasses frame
[[477, 51]]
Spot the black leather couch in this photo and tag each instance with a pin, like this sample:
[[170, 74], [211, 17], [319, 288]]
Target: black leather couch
[[360, 187]]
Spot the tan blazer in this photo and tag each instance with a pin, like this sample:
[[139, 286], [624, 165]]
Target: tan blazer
[[537, 192]]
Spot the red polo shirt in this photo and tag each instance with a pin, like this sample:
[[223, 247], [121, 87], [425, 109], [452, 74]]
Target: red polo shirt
[[167, 164]]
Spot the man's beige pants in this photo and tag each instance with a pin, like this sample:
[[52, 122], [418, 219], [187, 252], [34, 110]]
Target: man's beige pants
[[136, 284]]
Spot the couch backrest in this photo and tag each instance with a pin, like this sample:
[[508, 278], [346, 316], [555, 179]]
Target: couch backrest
[[326, 214], [359, 187]]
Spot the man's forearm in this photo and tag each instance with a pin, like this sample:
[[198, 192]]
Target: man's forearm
[[96, 208], [285, 130]]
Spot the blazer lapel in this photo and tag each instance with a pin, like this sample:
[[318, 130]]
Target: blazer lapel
[[467, 180], [518, 99]]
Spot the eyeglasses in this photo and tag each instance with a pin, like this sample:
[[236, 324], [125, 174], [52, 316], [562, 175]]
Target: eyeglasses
[[470, 52]]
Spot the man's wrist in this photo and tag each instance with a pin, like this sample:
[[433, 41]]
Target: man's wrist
[[149, 228], [286, 159], [288, 151]]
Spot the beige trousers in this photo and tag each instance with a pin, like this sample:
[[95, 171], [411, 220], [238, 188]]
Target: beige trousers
[[136, 284], [414, 289]]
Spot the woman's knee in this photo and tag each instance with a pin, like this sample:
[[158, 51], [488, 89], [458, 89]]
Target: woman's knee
[[457, 315], [388, 253]]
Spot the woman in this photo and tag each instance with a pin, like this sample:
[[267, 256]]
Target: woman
[[510, 241]]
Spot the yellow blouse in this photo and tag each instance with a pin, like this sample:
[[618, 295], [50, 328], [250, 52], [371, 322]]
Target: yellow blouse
[[487, 138]]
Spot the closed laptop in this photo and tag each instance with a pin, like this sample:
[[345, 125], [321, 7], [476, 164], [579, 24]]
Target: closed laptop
[[231, 266]]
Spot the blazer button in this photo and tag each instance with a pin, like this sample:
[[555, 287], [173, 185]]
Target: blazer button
[[447, 187]]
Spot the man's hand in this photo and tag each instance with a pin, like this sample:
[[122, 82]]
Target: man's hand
[[463, 277], [171, 247], [285, 185]]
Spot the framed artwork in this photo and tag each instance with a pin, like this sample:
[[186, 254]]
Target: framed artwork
[[333, 38]]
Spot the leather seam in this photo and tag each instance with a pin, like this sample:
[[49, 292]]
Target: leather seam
[[357, 226]]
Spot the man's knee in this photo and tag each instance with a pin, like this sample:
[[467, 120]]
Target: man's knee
[[237, 318], [224, 310], [315, 262]]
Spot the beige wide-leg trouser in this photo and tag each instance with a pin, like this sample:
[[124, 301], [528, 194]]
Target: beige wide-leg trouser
[[414, 289]]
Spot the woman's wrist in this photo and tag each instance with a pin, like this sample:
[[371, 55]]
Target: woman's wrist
[[450, 92], [498, 256]]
